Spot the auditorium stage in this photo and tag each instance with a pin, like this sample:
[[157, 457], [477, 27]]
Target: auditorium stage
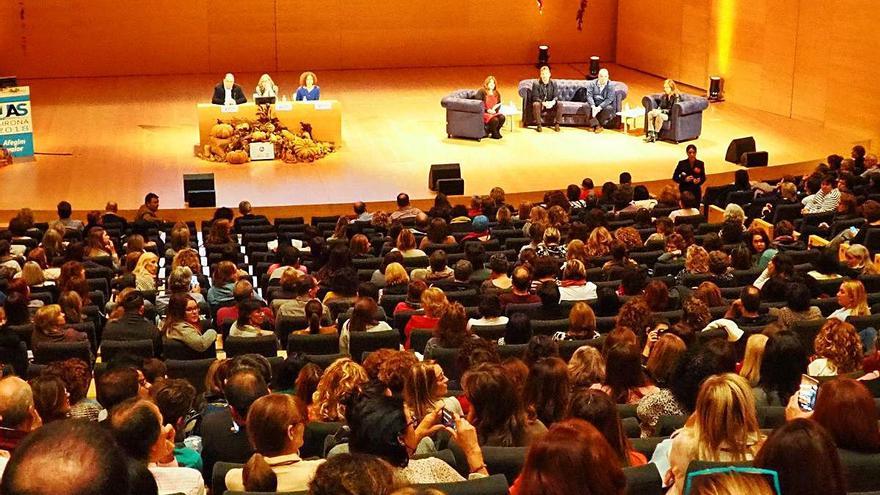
[[117, 138]]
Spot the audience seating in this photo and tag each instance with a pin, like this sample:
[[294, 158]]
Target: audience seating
[[362, 342], [313, 344], [419, 337], [173, 349], [860, 470], [323, 360], [59, 351], [490, 485], [643, 480], [264, 345], [313, 438], [111, 348], [191, 370]]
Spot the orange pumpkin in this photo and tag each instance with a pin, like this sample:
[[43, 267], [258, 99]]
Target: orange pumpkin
[[222, 131], [237, 157]]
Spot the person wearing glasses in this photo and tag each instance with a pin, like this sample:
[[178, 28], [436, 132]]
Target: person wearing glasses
[[183, 324]]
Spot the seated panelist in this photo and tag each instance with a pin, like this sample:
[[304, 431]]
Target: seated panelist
[[308, 87], [493, 120], [600, 96], [228, 93], [544, 99], [657, 116], [266, 88]]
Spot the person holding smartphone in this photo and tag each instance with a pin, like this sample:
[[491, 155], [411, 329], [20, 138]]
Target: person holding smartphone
[[491, 97]]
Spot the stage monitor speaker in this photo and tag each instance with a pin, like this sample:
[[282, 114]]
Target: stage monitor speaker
[[451, 187], [738, 147], [198, 190], [754, 159], [442, 171]]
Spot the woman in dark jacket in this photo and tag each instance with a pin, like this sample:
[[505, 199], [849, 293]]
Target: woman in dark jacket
[[657, 116]]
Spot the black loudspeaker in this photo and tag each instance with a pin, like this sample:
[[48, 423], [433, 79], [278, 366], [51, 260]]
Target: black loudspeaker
[[451, 187], [198, 190], [754, 159], [738, 147], [442, 171]]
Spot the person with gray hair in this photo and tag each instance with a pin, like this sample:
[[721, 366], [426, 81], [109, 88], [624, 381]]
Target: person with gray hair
[[180, 281], [18, 415]]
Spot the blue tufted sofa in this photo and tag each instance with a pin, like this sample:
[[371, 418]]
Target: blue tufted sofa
[[685, 119], [464, 114], [573, 112]]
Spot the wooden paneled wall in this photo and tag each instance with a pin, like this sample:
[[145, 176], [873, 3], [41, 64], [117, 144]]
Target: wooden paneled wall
[[816, 61], [63, 38]]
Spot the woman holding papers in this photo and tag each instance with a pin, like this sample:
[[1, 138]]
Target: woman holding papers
[[266, 88], [308, 87], [492, 118]]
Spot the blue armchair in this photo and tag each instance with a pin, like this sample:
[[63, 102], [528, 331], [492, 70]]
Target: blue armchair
[[464, 114], [685, 119]]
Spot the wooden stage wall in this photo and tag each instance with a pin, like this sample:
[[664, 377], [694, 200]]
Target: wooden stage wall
[[814, 61], [82, 38]]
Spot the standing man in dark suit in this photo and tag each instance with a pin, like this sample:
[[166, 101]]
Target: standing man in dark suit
[[600, 96], [228, 93], [544, 97], [690, 174]]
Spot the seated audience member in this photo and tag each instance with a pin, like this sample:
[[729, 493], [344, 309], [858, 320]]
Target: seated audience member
[[404, 210], [220, 236], [181, 281], [491, 313], [383, 427], [706, 438], [745, 311], [137, 427], [845, 408], [451, 330], [50, 397], [550, 244], [799, 443], [353, 474], [574, 285], [133, 325], [688, 206], [225, 432], [776, 279], [288, 257], [175, 398], [246, 212], [100, 245], [339, 381], [183, 324], [413, 301], [479, 230], [680, 397], [222, 284], [498, 280], [306, 289], [363, 319], [396, 280], [314, 315], [838, 350], [82, 456], [518, 330], [18, 413], [50, 326], [782, 364], [406, 245], [521, 282], [145, 271], [582, 323], [115, 385], [859, 259], [664, 354], [547, 389], [65, 210], [572, 457], [228, 92], [77, 377], [586, 367], [599, 410], [550, 308], [276, 433], [797, 307], [853, 300], [825, 200], [497, 410], [434, 303], [424, 390], [147, 212], [437, 233], [308, 89], [625, 381], [251, 319]]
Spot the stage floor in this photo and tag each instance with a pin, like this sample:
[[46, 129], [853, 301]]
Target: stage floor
[[118, 138]]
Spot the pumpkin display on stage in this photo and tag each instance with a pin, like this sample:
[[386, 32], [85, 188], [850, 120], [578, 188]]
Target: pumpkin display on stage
[[230, 140]]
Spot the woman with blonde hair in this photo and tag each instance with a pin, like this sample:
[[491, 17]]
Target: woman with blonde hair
[[308, 89], [33, 275], [266, 88], [71, 304], [275, 431], [424, 390], [723, 427], [599, 242], [538, 215], [751, 363], [145, 271], [434, 302], [53, 244], [586, 367], [582, 322], [858, 258], [339, 380], [49, 327], [853, 300], [490, 97], [396, 280], [838, 350], [697, 260], [657, 116]]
